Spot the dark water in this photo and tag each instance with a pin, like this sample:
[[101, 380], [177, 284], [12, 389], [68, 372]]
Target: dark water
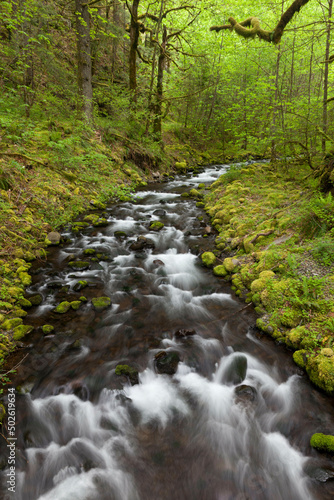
[[233, 422]]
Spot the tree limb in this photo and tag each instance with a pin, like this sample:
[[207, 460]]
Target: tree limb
[[261, 234]]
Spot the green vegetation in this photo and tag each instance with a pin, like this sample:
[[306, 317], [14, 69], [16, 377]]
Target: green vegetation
[[323, 442], [101, 303], [286, 273]]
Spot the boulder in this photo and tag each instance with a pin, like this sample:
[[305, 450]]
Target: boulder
[[53, 238], [101, 303], [130, 373], [236, 370], [166, 362]]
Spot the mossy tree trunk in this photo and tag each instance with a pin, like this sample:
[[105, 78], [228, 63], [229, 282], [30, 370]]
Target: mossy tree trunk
[[82, 18], [159, 94], [134, 36], [326, 70]]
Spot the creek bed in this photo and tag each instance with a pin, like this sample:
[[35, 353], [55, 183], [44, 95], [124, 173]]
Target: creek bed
[[220, 411]]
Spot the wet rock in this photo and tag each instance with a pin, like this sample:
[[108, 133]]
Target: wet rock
[[54, 284], [36, 300], [75, 304], [160, 212], [236, 370], [120, 235], [321, 474], [47, 329], [101, 303], [181, 334], [63, 307], [81, 391], [156, 226], [158, 262], [79, 265], [21, 331], [80, 285], [245, 394], [53, 238], [166, 362], [130, 373], [141, 244]]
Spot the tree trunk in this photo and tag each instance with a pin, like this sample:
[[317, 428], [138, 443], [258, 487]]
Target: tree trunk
[[115, 42], [84, 58], [325, 96], [158, 106], [134, 36]]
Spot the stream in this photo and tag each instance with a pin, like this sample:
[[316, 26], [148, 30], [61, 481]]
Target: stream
[[220, 412]]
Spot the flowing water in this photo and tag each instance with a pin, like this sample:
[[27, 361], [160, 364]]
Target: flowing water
[[231, 420]]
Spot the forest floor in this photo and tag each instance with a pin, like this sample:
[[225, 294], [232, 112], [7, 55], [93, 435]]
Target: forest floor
[[276, 246]]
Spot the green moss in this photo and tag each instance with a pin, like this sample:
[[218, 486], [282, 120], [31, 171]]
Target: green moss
[[290, 317], [299, 358], [80, 285], [185, 195], [21, 331], [9, 324], [321, 372], [208, 259], [47, 329], [19, 313], [25, 303], [36, 300], [220, 271], [323, 442], [83, 299], [75, 304], [98, 204], [156, 226], [181, 166], [200, 204], [195, 194], [63, 307], [100, 303], [89, 251], [201, 185], [25, 279]]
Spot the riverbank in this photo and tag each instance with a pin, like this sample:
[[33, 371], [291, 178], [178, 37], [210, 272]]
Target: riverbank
[[276, 246]]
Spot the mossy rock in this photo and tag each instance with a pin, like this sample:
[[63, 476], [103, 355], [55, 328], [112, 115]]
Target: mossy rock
[[21, 331], [83, 299], [201, 185], [89, 251], [92, 218], [36, 300], [200, 204], [220, 271], [208, 259], [25, 303], [47, 329], [296, 335], [290, 318], [75, 304], [120, 234], [320, 369], [80, 285], [101, 303], [129, 372], [10, 324], [181, 166], [195, 194], [102, 222], [25, 278], [299, 358], [98, 204], [63, 307], [19, 313], [79, 265], [185, 195], [156, 226], [14, 291], [231, 264], [323, 442]]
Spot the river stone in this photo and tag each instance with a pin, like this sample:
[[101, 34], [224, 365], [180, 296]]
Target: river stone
[[158, 262], [36, 300], [53, 238], [80, 265], [236, 370], [141, 243], [120, 234], [245, 393], [320, 474], [167, 362], [101, 303], [160, 212], [184, 333], [130, 373], [80, 285]]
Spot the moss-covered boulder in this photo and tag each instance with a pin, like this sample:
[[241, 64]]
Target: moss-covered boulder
[[21, 331], [47, 329], [323, 442], [181, 166], [156, 226], [129, 372], [195, 194], [220, 271], [101, 303], [200, 204], [80, 285], [10, 324], [36, 300], [300, 358], [75, 304], [79, 265], [25, 278], [89, 251], [98, 204], [208, 259], [25, 303], [231, 265], [320, 369], [63, 307]]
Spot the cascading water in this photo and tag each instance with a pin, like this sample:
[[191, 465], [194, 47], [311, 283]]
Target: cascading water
[[231, 419]]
